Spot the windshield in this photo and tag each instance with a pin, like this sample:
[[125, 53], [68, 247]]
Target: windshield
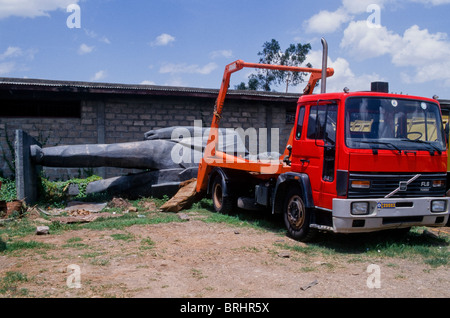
[[398, 124]]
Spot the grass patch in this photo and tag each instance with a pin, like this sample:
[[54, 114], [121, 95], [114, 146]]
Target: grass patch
[[17, 228], [259, 220], [147, 243], [123, 236], [30, 245], [130, 220], [91, 255], [10, 283], [74, 240], [8, 190], [359, 247], [99, 262], [75, 245], [309, 250], [197, 274]]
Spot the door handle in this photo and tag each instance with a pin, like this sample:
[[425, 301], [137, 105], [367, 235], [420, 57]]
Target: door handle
[[303, 161]]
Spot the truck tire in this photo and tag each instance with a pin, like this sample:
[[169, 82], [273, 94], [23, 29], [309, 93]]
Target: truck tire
[[297, 217], [222, 204]]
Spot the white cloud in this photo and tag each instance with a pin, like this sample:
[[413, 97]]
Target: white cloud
[[98, 76], [418, 55], [173, 68], [364, 42], [17, 54], [85, 49], [163, 40], [327, 21], [433, 2], [94, 35], [419, 47], [31, 8], [343, 74], [104, 39], [424, 53], [7, 67], [147, 83], [176, 82], [360, 6], [10, 52], [221, 53], [331, 21]]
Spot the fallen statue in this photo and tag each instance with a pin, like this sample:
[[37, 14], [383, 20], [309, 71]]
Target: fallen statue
[[168, 156]]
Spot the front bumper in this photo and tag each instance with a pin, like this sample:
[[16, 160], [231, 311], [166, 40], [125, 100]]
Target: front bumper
[[386, 214]]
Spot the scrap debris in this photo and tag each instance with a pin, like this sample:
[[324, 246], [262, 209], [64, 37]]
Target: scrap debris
[[83, 218], [186, 195], [79, 212], [42, 230], [309, 285]]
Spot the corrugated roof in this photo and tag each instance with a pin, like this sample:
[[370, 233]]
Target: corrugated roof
[[115, 88]]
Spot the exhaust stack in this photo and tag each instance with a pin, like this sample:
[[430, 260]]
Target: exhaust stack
[[323, 81]]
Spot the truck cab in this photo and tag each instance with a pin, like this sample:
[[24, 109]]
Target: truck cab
[[366, 161]]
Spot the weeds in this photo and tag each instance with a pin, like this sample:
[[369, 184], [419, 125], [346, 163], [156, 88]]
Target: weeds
[[147, 243], [10, 282], [123, 236], [359, 247], [54, 193], [21, 245], [8, 191]]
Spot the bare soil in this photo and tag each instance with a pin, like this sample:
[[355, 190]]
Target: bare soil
[[194, 259]]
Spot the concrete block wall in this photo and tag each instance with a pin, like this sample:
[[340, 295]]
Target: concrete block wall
[[50, 132], [119, 119]]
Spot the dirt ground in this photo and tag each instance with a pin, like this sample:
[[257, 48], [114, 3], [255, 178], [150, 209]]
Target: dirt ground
[[194, 259]]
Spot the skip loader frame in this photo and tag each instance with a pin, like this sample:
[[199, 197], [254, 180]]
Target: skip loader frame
[[338, 163]]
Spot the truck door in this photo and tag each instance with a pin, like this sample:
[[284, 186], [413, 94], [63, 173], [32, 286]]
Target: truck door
[[314, 150]]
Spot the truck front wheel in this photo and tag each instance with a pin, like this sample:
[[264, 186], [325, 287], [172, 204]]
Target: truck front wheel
[[297, 217], [221, 203]]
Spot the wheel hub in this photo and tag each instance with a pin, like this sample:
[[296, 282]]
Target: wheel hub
[[296, 212]]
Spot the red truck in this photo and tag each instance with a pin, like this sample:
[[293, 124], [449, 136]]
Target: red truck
[[354, 162]]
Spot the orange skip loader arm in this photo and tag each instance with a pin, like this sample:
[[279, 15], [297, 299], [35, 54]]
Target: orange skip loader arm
[[204, 167]]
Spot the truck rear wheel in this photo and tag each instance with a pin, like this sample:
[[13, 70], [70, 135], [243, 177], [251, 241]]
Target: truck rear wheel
[[221, 203], [297, 217]]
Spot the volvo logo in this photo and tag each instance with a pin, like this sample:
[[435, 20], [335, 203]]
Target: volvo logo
[[402, 186]]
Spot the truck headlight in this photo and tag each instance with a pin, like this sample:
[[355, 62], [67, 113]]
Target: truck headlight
[[438, 206], [360, 208]]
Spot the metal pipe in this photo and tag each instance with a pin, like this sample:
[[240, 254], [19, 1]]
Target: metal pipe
[[323, 86]]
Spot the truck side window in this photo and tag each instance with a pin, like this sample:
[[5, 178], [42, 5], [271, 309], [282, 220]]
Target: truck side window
[[322, 123], [301, 118], [315, 122]]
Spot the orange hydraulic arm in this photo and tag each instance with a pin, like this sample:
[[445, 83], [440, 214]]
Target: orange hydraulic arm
[[210, 150]]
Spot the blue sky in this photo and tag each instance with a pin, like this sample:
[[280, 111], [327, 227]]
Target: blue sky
[[189, 42]]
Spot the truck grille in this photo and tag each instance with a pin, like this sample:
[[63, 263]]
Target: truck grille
[[383, 184]]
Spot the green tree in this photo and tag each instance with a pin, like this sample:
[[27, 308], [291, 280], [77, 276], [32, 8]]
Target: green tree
[[264, 79]]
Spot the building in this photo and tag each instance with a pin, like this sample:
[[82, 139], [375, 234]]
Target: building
[[68, 113]]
